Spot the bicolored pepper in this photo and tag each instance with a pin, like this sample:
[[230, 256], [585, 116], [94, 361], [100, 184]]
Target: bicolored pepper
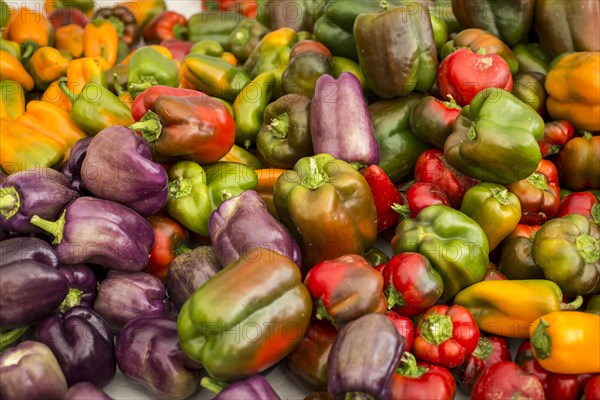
[[245, 37], [249, 108], [12, 69], [144, 11], [214, 76], [101, 39], [516, 261], [577, 163], [12, 99], [46, 65], [126, 23], [431, 120], [164, 26], [584, 203], [147, 67], [556, 135], [489, 351], [170, 240]]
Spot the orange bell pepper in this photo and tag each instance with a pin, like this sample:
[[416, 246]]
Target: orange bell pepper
[[47, 64], [70, 38], [30, 29], [12, 69], [85, 70], [230, 58], [100, 39], [266, 183], [55, 96], [12, 99]]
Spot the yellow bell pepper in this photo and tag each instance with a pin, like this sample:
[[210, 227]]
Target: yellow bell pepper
[[47, 64], [567, 342], [83, 71], [573, 86], [100, 39], [12, 99], [12, 69], [70, 38]]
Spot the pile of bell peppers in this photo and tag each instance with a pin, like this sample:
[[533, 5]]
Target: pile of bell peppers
[[382, 197]]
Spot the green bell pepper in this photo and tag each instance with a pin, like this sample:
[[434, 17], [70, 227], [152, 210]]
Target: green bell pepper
[[531, 58], [342, 64], [529, 88], [495, 137], [245, 37], [214, 76], [249, 108], [215, 26], [247, 317], [440, 31], [328, 207], [443, 9], [567, 249], [303, 71], [400, 148], [207, 47], [455, 245], [148, 67], [196, 191], [494, 208]]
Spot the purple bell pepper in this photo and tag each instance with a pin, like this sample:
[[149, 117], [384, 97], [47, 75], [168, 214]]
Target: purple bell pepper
[[28, 249], [148, 353], [243, 223], [118, 166], [101, 232], [123, 296], [83, 279], [85, 391], [255, 387], [340, 123], [40, 191], [82, 343], [72, 168], [30, 371], [178, 48]]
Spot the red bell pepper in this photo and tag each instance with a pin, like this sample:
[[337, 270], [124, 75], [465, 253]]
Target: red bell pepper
[[166, 25], [404, 326], [556, 134], [421, 381], [170, 240], [489, 351], [248, 8], [523, 230], [592, 389], [445, 335], [420, 195], [431, 119], [492, 273], [145, 100], [432, 167], [505, 380], [584, 203], [465, 73], [345, 289], [385, 196], [411, 283], [538, 194]]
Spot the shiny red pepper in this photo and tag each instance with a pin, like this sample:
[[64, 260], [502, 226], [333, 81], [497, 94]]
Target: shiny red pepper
[[385, 196], [584, 203], [445, 335], [421, 381], [556, 134], [170, 240], [592, 389], [145, 100], [404, 326], [419, 196], [505, 380], [166, 25], [489, 351]]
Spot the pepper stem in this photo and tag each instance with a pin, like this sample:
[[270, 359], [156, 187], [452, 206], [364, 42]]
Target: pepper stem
[[587, 135], [385, 5], [589, 248], [315, 178], [62, 84], [541, 341], [135, 88], [9, 337], [595, 213], [452, 103], [501, 195], [116, 85], [180, 32], [437, 328], [149, 125], [241, 37], [10, 202], [402, 209], [55, 228], [394, 297], [537, 180], [471, 134], [280, 125], [408, 366], [322, 312], [118, 24], [572, 306], [72, 299], [180, 188], [212, 384], [226, 194], [28, 47], [484, 348], [182, 248]]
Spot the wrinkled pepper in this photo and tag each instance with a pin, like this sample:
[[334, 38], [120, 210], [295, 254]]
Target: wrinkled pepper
[[46, 64], [214, 76], [147, 67], [249, 108], [100, 39], [12, 99]]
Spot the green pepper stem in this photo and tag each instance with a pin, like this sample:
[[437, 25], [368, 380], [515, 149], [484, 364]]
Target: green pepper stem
[[541, 341], [394, 297], [9, 337], [149, 125], [240, 38], [180, 32], [115, 81], [385, 5], [572, 306], [10, 202], [595, 213], [315, 178], [212, 384], [437, 328], [72, 299], [135, 88], [482, 51], [452, 103], [402, 209], [62, 84], [28, 47], [471, 134], [408, 366], [589, 248], [501, 195], [280, 125], [182, 248], [587, 135], [180, 188], [118, 24], [322, 312], [537, 180], [484, 348], [247, 144], [55, 228]]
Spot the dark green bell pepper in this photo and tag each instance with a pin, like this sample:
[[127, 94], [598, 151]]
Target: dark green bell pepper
[[531, 58], [213, 25], [148, 67], [245, 37], [399, 147], [455, 245], [495, 137], [214, 76], [301, 74], [247, 317], [567, 249], [443, 9]]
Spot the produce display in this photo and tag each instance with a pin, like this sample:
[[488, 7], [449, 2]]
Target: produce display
[[378, 199]]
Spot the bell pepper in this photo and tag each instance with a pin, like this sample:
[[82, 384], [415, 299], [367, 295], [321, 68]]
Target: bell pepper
[[196, 128], [529, 88], [178, 48], [96, 108], [284, 137], [70, 39], [65, 16], [166, 25], [12, 69], [505, 380], [244, 37], [256, 387], [275, 14], [508, 307], [214, 76], [207, 47], [584, 203], [85, 6], [516, 261], [248, 8], [477, 39], [592, 388], [83, 71], [445, 335], [567, 17], [144, 11], [400, 148], [556, 134], [422, 381], [459, 254], [12, 48], [266, 183], [241, 156], [577, 164], [213, 25], [12, 99], [411, 284], [418, 196], [345, 220], [249, 107], [385, 196], [531, 58], [147, 67], [303, 71], [100, 39], [4, 14], [341, 65], [567, 342], [512, 135], [30, 29], [170, 240], [46, 64], [249, 295], [389, 66], [124, 20], [345, 289], [567, 249], [489, 351], [404, 326], [464, 73], [431, 120], [145, 100]]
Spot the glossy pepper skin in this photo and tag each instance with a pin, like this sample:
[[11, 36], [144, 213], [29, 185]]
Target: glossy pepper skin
[[72, 168], [249, 108], [506, 380], [12, 99], [576, 163], [27, 249], [82, 278], [100, 39], [149, 67], [567, 249], [385, 196], [489, 351], [214, 76], [41, 191], [244, 37], [357, 363], [12, 69], [284, 137], [508, 307], [164, 26], [30, 29], [516, 260], [194, 128], [418, 196], [170, 240], [431, 120], [272, 294], [531, 58], [100, 232], [255, 387], [46, 65], [214, 26], [580, 103], [561, 340], [422, 381], [82, 343], [513, 137], [584, 203], [529, 88], [145, 100], [556, 134], [346, 209], [395, 58], [304, 70], [439, 230]]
